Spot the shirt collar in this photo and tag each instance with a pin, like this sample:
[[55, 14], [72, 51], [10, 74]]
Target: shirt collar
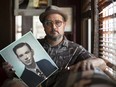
[[32, 68], [65, 42]]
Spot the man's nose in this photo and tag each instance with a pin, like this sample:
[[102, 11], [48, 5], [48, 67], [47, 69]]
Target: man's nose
[[54, 25], [54, 28], [26, 57]]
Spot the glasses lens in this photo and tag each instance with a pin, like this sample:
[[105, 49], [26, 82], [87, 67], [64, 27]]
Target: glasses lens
[[48, 23], [57, 23]]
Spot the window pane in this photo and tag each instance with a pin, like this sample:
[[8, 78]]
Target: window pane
[[38, 29], [18, 27]]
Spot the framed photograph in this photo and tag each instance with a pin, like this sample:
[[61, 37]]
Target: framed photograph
[[69, 12], [30, 7], [29, 59]]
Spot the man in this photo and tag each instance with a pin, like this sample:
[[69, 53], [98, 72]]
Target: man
[[35, 72], [66, 54]]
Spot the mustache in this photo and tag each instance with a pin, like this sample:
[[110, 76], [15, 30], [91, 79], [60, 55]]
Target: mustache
[[54, 30]]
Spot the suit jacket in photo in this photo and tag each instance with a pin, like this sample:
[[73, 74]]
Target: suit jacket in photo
[[32, 79]]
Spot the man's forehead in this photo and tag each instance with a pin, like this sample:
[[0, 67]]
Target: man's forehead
[[22, 49]]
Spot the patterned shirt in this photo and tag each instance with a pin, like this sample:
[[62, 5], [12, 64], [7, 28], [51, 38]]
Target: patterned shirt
[[66, 52]]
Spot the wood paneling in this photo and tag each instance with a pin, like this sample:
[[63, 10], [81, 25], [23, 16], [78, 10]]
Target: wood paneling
[[6, 23]]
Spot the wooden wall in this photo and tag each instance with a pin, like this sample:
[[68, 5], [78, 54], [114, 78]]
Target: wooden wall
[[6, 23]]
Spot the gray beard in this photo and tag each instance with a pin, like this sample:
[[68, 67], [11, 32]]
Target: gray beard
[[54, 38]]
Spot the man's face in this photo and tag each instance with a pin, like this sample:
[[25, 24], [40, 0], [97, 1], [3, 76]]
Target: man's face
[[25, 55], [54, 26]]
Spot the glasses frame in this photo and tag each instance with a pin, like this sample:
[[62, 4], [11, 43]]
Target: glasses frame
[[57, 23]]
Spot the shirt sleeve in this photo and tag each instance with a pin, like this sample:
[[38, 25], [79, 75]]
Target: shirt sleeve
[[81, 54]]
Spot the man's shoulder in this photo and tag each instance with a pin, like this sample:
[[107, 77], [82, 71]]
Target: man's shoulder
[[43, 62]]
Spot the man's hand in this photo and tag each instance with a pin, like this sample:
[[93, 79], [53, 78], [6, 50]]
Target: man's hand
[[88, 64], [82, 65], [8, 69]]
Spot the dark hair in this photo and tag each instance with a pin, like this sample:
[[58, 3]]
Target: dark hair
[[21, 45]]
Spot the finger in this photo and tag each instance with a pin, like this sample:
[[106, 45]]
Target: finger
[[84, 65], [71, 67], [87, 74], [92, 66], [8, 67], [6, 64], [78, 66], [88, 67], [74, 67]]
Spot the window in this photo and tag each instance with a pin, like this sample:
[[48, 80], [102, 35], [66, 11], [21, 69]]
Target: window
[[38, 30], [18, 27], [107, 31], [37, 27]]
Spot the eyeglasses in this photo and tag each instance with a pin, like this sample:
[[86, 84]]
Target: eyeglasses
[[50, 23]]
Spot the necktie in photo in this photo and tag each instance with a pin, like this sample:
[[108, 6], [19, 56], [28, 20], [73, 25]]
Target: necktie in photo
[[40, 73]]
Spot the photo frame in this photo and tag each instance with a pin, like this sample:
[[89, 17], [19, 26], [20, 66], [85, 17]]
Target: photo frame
[[69, 12], [25, 52], [30, 7]]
